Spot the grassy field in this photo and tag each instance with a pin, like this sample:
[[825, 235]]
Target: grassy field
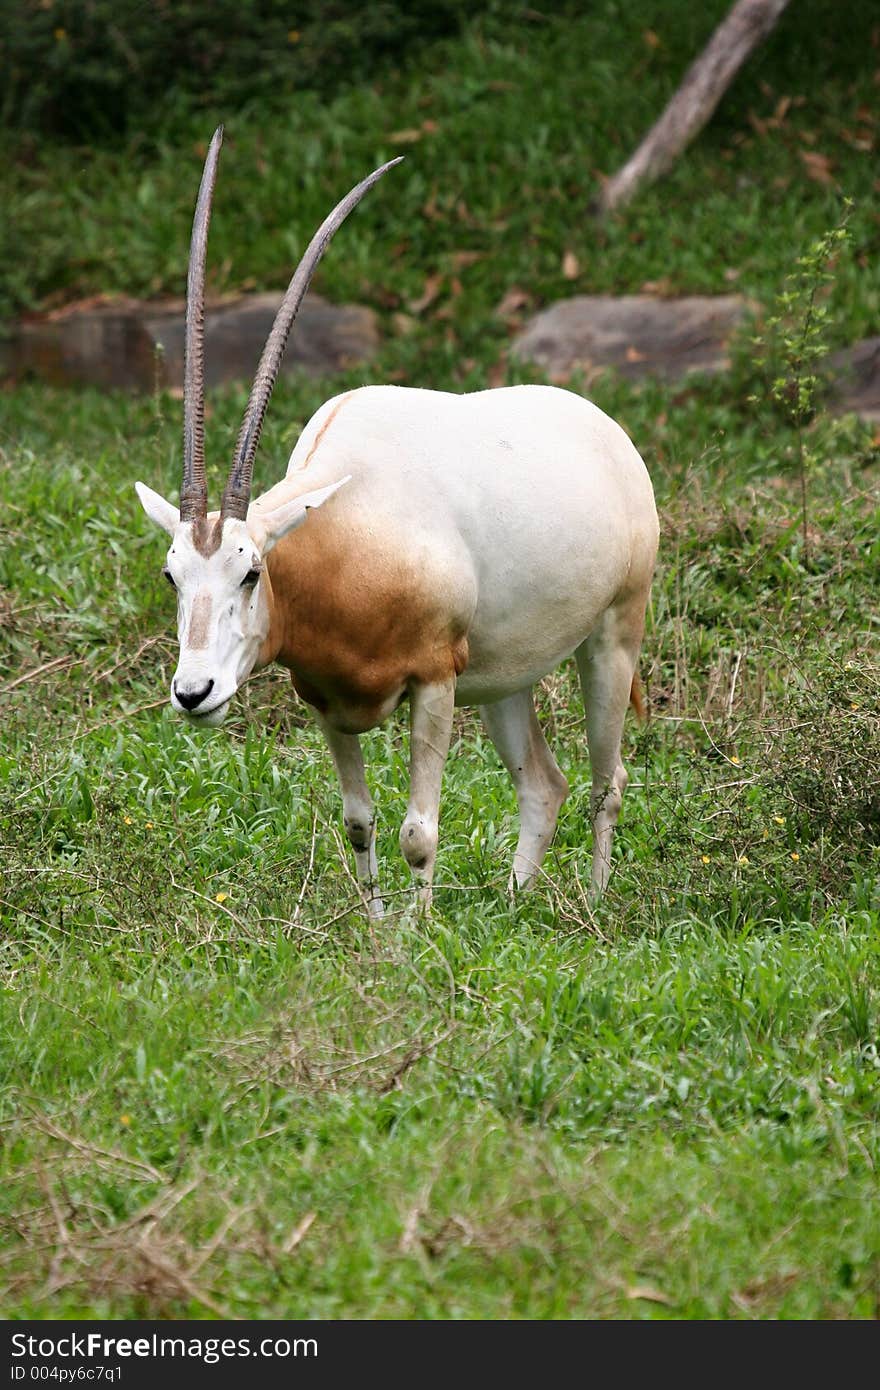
[[223, 1092]]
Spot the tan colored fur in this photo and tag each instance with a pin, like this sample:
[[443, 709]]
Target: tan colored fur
[[636, 699], [356, 624], [324, 428], [207, 533]]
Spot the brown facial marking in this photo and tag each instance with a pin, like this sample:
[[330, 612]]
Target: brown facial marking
[[207, 535], [199, 622], [324, 428]]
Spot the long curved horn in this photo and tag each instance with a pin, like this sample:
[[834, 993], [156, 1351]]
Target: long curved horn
[[238, 487], [194, 488]]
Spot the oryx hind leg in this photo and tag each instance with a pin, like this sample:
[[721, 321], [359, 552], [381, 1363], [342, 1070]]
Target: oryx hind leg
[[358, 812], [513, 727], [607, 663]]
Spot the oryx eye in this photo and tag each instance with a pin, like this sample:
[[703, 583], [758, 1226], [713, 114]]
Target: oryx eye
[[168, 575], [250, 579]]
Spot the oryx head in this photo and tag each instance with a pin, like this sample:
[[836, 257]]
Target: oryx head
[[216, 560]]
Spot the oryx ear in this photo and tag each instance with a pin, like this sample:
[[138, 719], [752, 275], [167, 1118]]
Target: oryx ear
[[157, 509], [268, 527]]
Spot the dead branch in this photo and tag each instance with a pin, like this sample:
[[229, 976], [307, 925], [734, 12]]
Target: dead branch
[[703, 86]]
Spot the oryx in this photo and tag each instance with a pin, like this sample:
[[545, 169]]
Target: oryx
[[445, 549]]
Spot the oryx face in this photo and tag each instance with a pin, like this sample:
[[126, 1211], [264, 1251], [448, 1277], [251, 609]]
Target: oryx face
[[222, 617], [217, 568], [216, 562], [218, 618]]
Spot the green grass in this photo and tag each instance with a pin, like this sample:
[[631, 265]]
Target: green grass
[[222, 1091], [515, 123]]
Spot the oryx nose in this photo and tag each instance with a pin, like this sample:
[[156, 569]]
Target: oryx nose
[[192, 697]]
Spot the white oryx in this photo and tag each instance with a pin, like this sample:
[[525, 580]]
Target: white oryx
[[448, 549]]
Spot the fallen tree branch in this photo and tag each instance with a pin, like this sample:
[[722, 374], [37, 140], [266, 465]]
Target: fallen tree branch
[[702, 88]]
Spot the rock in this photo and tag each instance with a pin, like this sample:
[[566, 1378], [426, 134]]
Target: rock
[[636, 335], [104, 345], [855, 380], [125, 343]]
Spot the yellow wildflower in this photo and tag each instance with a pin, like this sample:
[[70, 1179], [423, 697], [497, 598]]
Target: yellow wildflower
[[125, 1119], [220, 897], [743, 859], [795, 857], [705, 859], [779, 820]]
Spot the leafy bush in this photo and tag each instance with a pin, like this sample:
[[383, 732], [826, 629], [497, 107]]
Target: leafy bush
[[86, 69]]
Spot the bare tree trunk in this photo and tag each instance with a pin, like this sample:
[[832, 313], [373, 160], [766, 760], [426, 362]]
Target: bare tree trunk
[[702, 87]]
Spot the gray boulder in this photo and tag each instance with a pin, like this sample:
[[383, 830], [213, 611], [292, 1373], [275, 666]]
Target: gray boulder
[[125, 343], [636, 335]]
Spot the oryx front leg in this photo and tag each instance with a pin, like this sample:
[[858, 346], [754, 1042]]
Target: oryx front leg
[[431, 708], [541, 788], [606, 664], [358, 812]]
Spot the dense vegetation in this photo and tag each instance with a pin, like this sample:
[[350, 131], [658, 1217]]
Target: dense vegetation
[[103, 69], [221, 1090]]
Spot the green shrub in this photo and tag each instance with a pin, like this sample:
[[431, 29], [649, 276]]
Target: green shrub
[[87, 69]]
